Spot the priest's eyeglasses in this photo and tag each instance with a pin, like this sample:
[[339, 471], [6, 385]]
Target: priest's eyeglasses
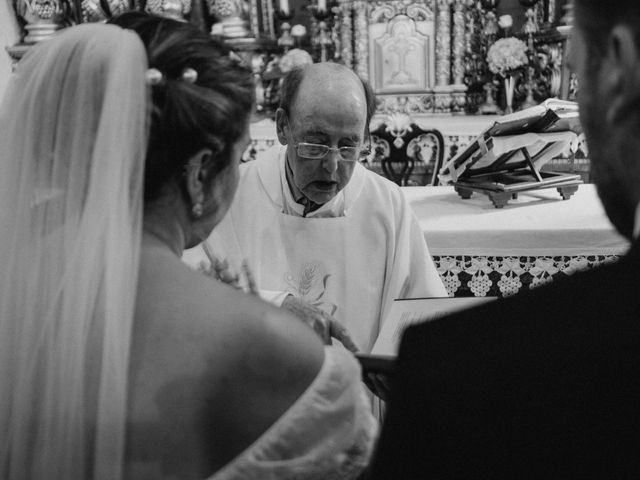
[[314, 151]]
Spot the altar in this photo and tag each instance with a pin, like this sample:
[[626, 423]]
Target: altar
[[483, 251]]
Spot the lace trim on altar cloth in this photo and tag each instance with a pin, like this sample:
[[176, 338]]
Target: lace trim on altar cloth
[[482, 276]]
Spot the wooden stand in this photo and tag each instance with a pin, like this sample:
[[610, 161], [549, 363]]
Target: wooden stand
[[502, 182], [501, 198]]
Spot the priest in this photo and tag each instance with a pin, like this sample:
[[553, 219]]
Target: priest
[[544, 384], [323, 235]]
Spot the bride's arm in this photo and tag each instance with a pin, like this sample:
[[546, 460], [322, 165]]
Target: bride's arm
[[274, 360]]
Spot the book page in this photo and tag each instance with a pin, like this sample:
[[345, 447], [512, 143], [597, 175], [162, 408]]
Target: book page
[[557, 105], [405, 312], [533, 142]]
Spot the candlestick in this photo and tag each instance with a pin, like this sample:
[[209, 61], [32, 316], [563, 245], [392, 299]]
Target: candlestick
[[297, 32], [323, 40], [285, 40], [43, 18], [531, 26]]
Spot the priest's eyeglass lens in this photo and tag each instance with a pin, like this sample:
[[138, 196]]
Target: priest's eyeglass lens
[[316, 151]]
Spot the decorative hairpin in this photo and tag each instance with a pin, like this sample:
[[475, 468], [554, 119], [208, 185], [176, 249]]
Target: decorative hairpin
[[154, 77], [189, 75]]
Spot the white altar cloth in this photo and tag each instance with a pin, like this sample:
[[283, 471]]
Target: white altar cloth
[[538, 223]]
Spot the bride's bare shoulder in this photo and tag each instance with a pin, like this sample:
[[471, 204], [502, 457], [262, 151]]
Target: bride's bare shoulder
[[245, 359], [171, 291]]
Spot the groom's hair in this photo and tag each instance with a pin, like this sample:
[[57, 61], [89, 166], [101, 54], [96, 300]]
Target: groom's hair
[[596, 18]]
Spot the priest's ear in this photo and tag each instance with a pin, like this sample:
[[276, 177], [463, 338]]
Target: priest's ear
[[283, 129], [621, 77]]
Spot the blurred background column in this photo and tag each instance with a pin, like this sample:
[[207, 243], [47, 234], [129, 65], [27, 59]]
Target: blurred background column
[[458, 50], [443, 90]]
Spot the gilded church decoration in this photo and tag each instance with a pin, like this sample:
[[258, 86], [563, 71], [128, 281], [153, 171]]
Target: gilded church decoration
[[383, 11], [421, 56]]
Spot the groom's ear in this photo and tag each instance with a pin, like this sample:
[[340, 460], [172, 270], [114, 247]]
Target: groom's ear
[[620, 75]]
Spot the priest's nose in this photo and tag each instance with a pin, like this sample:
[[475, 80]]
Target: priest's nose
[[330, 162]]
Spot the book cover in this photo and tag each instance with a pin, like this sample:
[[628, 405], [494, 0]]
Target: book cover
[[552, 115]]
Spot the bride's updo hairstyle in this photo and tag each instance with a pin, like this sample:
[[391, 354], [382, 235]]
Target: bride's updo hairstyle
[[201, 97]]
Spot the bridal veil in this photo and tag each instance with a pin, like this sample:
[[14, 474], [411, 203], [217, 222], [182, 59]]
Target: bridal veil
[[73, 129]]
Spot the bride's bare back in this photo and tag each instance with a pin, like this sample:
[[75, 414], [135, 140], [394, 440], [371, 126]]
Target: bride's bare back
[[211, 369]]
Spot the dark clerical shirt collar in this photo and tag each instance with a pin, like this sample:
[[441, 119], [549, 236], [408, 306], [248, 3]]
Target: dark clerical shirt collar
[[294, 201]]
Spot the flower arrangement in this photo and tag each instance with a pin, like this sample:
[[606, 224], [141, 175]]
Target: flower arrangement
[[507, 55], [298, 30], [505, 22]]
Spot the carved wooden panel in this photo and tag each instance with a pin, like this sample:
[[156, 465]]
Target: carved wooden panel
[[401, 55]]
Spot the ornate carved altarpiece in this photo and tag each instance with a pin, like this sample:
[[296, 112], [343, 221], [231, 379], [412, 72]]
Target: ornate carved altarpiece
[[411, 51], [422, 57]]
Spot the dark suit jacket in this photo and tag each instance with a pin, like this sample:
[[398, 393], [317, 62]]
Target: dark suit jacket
[[543, 385]]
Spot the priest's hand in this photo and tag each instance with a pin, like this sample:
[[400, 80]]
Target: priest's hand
[[322, 323]]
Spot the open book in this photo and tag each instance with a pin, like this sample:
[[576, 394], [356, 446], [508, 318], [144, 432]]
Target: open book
[[403, 313], [526, 139]]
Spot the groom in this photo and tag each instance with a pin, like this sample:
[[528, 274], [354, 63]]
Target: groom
[[544, 385]]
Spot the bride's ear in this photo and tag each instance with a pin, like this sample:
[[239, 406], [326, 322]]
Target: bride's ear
[[195, 174]]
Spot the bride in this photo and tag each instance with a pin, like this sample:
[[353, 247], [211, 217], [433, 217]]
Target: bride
[[119, 147]]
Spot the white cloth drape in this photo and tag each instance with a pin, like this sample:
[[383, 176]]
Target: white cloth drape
[[327, 434]]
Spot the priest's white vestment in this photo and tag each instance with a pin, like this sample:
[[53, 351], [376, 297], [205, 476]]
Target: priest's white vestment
[[351, 264]]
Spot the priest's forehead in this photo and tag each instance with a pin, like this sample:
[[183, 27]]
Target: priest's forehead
[[330, 96], [330, 83]]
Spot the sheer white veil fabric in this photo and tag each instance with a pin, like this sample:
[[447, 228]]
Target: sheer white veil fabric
[[73, 130]]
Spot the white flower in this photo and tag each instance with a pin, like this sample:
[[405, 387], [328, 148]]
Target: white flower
[[217, 29], [298, 30], [294, 58], [506, 55], [505, 21]]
